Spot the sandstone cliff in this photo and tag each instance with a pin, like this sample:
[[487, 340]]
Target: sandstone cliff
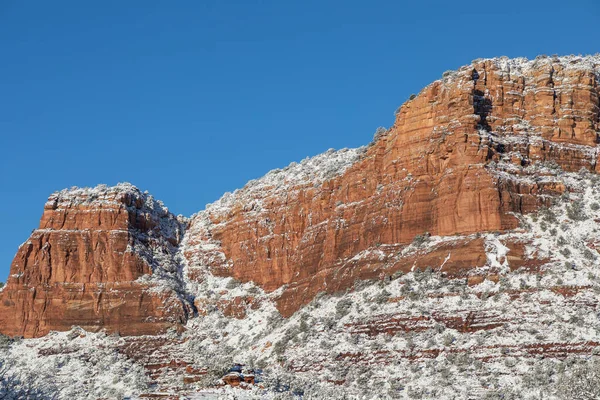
[[85, 266], [459, 159], [462, 157], [458, 253]]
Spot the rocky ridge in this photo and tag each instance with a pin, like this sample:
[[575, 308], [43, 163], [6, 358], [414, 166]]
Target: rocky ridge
[[455, 256], [459, 159]]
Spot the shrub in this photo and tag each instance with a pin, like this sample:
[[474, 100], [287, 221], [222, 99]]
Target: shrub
[[595, 206], [343, 307], [505, 284], [253, 290], [547, 215], [575, 211], [581, 381], [397, 274], [382, 297], [583, 172], [304, 327], [420, 275], [379, 132], [523, 284], [420, 239], [410, 343], [13, 386], [406, 288], [232, 284], [415, 393], [414, 296], [448, 340], [5, 341], [550, 165], [589, 255], [279, 347]]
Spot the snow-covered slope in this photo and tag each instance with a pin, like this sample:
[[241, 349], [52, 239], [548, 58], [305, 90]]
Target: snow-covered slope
[[417, 335], [506, 314]]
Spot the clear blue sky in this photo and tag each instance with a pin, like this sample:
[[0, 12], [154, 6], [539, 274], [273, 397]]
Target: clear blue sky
[[191, 99]]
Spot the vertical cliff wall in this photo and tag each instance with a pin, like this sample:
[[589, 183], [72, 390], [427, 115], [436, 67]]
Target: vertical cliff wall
[[460, 158], [469, 154], [101, 258]]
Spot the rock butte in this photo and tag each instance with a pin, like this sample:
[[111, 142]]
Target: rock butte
[[82, 267], [116, 259]]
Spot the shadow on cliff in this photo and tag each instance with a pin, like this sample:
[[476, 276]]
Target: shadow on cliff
[[482, 106]]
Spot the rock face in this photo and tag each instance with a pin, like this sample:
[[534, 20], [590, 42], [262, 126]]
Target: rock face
[[459, 159], [462, 157], [85, 263]]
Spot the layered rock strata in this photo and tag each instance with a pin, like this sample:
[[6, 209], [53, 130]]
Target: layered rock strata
[[469, 154], [84, 266], [462, 157]]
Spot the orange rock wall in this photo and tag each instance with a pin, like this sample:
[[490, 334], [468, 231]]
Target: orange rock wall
[[127, 308], [430, 172], [459, 159], [80, 269]]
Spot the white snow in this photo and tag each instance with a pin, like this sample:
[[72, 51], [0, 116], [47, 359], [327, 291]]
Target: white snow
[[418, 335]]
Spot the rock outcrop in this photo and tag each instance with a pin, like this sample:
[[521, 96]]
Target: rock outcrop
[[458, 253], [101, 258], [467, 155], [461, 158]]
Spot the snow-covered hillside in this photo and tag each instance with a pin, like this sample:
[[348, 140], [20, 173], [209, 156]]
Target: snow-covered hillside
[[529, 332], [506, 314]]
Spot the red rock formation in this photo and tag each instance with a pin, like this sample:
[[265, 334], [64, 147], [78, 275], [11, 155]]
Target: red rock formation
[[462, 157], [452, 163], [238, 380], [82, 267]]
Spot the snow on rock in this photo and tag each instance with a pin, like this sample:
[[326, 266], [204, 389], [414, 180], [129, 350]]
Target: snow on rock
[[314, 170], [73, 365], [501, 307]]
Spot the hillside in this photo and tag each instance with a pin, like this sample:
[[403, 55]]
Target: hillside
[[455, 256]]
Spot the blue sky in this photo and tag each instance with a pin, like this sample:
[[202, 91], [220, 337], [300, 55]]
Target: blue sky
[[189, 100]]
